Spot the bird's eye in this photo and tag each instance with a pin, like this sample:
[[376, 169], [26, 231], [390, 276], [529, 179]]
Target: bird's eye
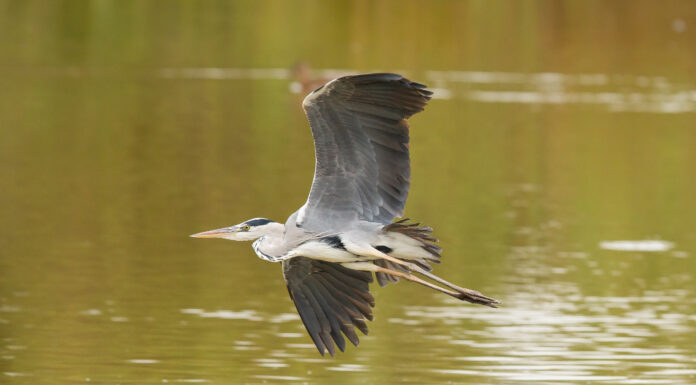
[[246, 227]]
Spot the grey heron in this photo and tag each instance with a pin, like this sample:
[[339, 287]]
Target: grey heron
[[345, 232]]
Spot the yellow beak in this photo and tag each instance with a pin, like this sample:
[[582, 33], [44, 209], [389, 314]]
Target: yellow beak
[[217, 233]]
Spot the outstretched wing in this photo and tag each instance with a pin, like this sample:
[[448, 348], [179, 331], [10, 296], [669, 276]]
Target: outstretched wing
[[361, 144], [330, 299]]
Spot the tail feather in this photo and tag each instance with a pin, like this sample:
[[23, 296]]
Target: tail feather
[[424, 238], [415, 231]]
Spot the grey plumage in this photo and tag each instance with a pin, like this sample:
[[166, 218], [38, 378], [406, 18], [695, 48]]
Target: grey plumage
[[330, 247], [362, 169], [361, 143]]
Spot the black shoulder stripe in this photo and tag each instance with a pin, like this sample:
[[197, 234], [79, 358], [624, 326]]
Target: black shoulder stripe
[[334, 241], [384, 249]]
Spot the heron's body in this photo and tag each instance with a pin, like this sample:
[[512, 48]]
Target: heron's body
[[331, 246], [352, 246]]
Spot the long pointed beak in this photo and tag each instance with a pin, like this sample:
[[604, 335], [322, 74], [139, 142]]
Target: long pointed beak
[[217, 233]]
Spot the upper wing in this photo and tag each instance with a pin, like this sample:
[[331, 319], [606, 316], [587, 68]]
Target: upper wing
[[330, 299], [361, 144]]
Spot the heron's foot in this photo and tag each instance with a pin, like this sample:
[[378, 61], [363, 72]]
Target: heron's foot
[[474, 296], [461, 293]]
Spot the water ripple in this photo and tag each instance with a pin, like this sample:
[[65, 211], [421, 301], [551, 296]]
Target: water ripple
[[563, 340]]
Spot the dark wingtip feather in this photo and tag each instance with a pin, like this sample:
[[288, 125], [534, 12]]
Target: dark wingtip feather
[[350, 334], [389, 90], [361, 325], [331, 301]]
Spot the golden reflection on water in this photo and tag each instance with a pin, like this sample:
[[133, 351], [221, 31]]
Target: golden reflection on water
[[556, 165]]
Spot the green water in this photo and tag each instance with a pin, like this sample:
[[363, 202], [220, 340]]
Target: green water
[[125, 126]]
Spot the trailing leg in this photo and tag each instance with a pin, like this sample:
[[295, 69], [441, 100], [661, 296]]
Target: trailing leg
[[468, 295], [369, 266]]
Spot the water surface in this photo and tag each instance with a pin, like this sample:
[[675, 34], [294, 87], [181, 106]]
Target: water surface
[[556, 164]]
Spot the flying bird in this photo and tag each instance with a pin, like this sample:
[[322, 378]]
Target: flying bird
[[345, 232]]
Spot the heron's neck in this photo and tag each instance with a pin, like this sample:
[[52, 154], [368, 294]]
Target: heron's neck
[[273, 230], [269, 245]]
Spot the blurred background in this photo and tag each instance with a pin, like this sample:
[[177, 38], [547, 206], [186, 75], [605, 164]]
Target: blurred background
[[556, 164]]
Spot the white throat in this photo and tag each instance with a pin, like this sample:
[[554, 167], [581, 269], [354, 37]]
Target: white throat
[[269, 246], [257, 249]]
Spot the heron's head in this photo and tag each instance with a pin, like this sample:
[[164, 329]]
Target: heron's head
[[245, 231]]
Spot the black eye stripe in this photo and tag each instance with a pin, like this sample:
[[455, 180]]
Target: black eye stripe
[[258, 222]]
